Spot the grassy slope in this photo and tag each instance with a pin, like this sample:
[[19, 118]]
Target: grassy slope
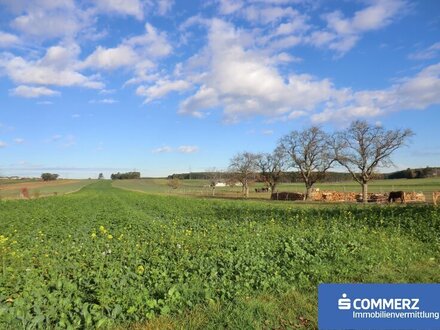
[[200, 187], [38, 188], [242, 265]]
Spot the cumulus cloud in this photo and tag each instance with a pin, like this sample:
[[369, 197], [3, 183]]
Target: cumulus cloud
[[3, 144], [57, 67], [417, 92], [32, 92], [136, 54], [164, 6], [111, 58], [43, 19], [8, 39], [122, 7], [342, 33], [162, 88], [245, 83], [227, 7]]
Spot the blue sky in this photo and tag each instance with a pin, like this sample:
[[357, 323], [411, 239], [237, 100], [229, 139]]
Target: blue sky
[[165, 86]]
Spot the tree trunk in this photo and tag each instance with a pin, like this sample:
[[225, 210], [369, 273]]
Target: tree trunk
[[365, 192], [213, 191], [308, 193], [246, 190], [272, 187]]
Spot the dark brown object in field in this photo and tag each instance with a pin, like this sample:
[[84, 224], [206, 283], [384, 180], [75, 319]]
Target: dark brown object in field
[[396, 195], [287, 196]]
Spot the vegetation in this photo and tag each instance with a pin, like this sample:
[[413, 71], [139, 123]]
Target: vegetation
[[363, 147], [105, 257], [270, 167], [174, 183], [308, 152], [125, 176], [243, 169], [41, 188], [49, 176]]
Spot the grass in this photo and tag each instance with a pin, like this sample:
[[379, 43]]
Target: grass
[[105, 257], [201, 187], [42, 189]]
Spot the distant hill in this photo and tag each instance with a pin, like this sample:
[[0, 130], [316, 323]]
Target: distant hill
[[415, 173]]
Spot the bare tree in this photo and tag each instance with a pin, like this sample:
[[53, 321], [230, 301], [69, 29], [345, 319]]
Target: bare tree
[[214, 177], [363, 147], [309, 153], [271, 167], [243, 168]]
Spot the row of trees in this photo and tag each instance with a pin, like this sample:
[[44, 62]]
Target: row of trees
[[49, 176], [128, 175], [360, 149]]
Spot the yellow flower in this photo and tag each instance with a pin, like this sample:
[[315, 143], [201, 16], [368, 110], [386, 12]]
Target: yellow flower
[[110, 236], [140, 269], [3, 239], [102, 229], [120, 237], [93, 235]]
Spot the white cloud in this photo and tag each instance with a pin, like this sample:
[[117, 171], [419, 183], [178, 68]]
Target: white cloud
[[112, 58], [413, 93], [32, 92], [164, 6], [228, 7], [103, 101], [152, 43], [163, 149], [245, 83], [185, 149], [136, 54], [123, 7], [7, 39], [44, 19], [162, 88], [3, 144], [432, 51], [18, 140], [341, 33], [58, 67], [188, 149], [267, 132]]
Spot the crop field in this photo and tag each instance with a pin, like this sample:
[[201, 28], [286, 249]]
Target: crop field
[[201, 187], [110, 258], [38, 188]]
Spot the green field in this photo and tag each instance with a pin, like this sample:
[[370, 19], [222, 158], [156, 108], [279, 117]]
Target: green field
[[201, 187], [110, 258], [41, 189]]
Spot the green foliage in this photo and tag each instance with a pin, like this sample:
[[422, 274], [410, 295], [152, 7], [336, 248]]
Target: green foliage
[[125, 176], [49, 176], [105, 257]]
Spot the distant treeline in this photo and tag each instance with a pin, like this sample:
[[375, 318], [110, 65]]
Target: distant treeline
[[124, 176], [288, 177], [416, 173]]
